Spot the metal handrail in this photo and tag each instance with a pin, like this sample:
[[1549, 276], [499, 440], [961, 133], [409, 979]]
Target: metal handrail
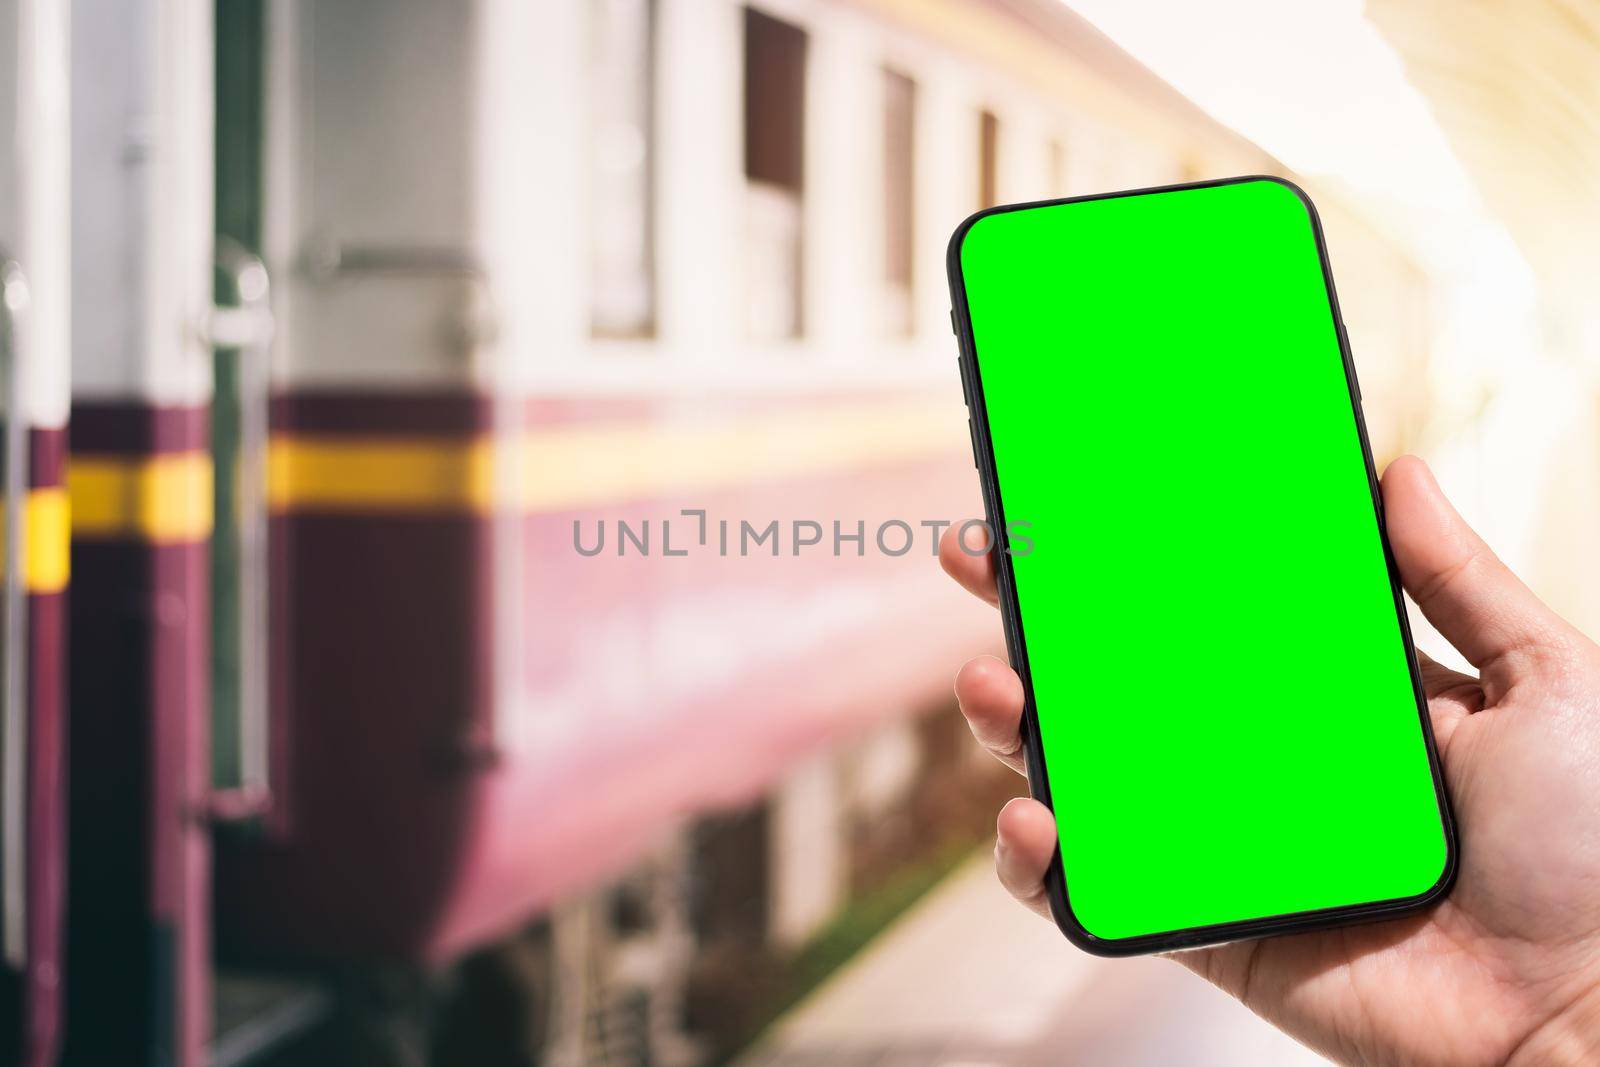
[[327, 261], [14, 299], [248, 327]]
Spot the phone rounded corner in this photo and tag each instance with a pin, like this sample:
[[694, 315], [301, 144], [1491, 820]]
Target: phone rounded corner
[[1073, 928], [1446, 881], [1082, 939], [959, 236], [1064, 917], [1294, 188], [1451, 864]]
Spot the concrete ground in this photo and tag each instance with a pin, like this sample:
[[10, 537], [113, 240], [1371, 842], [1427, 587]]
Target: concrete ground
[[969, 979]]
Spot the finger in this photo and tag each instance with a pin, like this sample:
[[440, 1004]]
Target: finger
[[1452, 696], [1022, 854], [965, 557], [1440, 683], [1471, 598], [990, 695]]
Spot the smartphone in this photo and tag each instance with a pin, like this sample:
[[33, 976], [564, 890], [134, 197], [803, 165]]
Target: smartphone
[[1223, 703]]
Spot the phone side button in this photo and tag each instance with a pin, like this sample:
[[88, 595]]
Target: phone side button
[[1350, 361], [1030, 766]]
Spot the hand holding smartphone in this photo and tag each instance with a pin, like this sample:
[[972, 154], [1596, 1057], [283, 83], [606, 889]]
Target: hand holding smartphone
[[1161, 391]]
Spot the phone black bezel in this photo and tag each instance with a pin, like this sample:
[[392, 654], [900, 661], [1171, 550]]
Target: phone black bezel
[[983, 456]]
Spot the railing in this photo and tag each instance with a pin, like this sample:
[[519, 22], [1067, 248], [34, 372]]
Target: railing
[[247, 328], [330, 261], [13, 627]]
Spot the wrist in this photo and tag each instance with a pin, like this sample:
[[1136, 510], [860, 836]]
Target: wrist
[[1571, 1036]]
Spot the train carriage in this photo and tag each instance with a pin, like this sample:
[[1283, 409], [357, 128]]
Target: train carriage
[[436, 395], [34, 327], [506, 435]]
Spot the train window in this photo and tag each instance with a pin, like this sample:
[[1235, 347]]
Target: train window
[[621, 161], [899, 195], [988, 159], [774, 168]]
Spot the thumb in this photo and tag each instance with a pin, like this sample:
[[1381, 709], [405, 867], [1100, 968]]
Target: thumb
[[1469, 596]]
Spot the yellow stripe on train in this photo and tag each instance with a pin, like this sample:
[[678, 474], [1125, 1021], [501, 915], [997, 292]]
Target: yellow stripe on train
[[165, 499], [379, 474], [168, 498], [46, 540], [46, 545], [569, 467]]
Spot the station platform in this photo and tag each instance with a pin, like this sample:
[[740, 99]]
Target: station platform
[[967, 978]]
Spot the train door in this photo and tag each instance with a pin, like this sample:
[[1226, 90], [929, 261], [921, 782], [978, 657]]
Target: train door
[[33, 402]]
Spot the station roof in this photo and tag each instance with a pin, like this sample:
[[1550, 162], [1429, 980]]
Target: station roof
[[1515, 84]]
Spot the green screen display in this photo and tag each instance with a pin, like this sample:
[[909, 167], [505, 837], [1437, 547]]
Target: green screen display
[[1222, 685]]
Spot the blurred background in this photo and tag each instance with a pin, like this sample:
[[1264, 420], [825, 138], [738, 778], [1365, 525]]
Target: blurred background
[[398, 667]]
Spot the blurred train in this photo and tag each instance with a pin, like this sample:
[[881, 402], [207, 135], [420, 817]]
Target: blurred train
[[383, 315], [34, 356]]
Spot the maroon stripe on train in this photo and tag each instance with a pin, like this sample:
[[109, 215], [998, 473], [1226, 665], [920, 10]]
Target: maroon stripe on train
[[131, 428], [138, 923], [139, 641], [381, 698], [444, 413], [357, 808], [47, 457], [46, 826], [413, 839], [382, 632], [46, 785]]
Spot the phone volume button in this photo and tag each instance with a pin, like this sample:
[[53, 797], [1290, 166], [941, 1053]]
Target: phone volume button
[[1030, 766], [1349, 361]]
